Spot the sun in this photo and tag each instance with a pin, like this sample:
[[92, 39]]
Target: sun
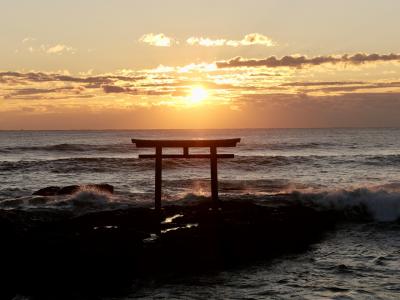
[[197, 94]]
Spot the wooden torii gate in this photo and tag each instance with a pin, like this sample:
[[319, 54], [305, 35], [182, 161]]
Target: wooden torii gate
[[185, 145]]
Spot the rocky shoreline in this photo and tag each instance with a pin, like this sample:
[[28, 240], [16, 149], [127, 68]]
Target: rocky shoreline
[[103, 251]]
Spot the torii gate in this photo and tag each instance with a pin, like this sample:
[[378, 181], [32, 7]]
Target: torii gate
[[185, 145]]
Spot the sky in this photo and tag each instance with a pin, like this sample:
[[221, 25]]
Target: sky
[[125, 64]]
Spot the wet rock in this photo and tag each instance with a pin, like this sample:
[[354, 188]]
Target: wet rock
[[47, 191], [72, 189], [38, 200], [68, 190], [103, 187], [110, 248], [11, 202]]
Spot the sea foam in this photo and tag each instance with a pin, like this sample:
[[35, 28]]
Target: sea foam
[[380, 204]]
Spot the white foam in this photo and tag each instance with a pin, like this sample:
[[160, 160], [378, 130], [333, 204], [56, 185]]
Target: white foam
[[381, 205], [90, 198]]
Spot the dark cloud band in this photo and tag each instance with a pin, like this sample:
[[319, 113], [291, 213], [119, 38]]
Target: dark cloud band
[[300, 61]]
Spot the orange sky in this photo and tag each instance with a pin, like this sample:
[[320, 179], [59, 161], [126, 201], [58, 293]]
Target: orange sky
[[226, 65]]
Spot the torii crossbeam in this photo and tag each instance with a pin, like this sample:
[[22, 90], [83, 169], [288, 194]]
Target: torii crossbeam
[[185, 145]]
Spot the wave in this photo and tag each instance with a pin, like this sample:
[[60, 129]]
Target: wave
[[79, 164], [244, 163], [104, 164], [127, 147], [86, 199], [377, 204], [112, 165], [140, 189], [67, 148], [243, 186], [286, 146], [378, 160], [362, 204]]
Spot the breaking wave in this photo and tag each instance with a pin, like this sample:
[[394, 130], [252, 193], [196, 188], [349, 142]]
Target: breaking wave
[[85, 199], [378, 204], [362, 204]]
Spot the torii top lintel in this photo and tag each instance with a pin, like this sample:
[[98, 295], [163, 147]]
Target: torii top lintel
[[141, 143]]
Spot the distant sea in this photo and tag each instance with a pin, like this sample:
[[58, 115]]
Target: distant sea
[[339, 168]]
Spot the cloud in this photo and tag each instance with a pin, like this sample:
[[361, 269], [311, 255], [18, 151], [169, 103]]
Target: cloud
[[34, 91], [301, 61], [157, 40], [39, 85], [302, 110], [94, 81], [37, 93], [339, 87], [58, 49], [52, 49], [32, 46], [205, 42], [253, 39], [249, 40], [161, 40], [321, 83], [114, 89], [224, 85], [352, 88], [28, 39]]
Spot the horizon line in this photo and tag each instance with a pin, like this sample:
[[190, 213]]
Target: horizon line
[[223, 128]]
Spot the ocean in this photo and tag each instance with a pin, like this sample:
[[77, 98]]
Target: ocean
[[334, 168]]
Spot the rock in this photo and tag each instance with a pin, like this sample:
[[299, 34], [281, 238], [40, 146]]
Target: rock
[[38, 200], [103, 187], [109, 248], [72, 189], [68, 190], [47, 191]]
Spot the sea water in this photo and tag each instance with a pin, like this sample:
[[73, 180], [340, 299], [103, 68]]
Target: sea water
[[337, 168]]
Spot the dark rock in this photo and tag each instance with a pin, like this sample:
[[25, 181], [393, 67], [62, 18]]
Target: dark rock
[[68, 190], [38, 200], [108, 249], [72, 189], [47, 191], [103, 187]]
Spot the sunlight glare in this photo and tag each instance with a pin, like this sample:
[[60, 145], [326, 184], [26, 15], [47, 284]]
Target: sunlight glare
[[197, 95]]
